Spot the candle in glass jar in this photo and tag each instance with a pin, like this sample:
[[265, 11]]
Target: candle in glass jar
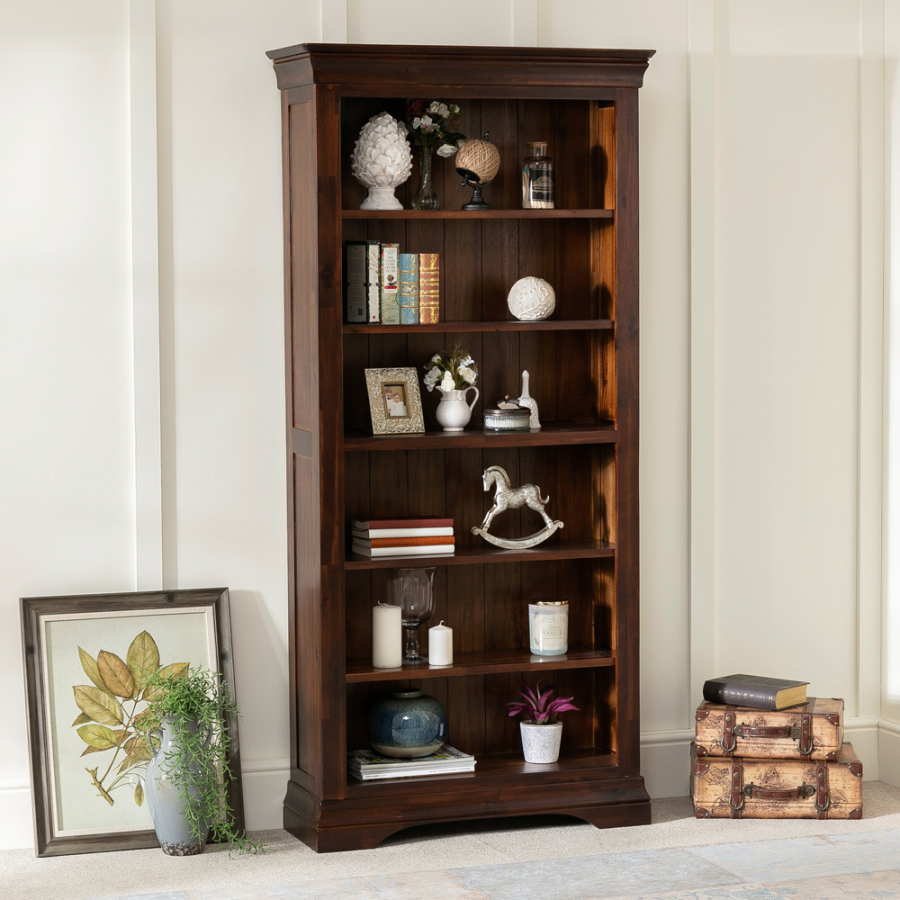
[[387, 637], [548, 627], [440, 645]]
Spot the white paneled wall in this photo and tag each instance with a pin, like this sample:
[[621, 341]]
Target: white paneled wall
[[765, 126]]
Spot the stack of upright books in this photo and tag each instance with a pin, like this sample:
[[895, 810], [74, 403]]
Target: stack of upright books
[[383, 285], [403, 537]]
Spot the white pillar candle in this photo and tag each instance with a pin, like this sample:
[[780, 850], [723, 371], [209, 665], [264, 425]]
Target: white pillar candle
[[387, 637], [440, 645]]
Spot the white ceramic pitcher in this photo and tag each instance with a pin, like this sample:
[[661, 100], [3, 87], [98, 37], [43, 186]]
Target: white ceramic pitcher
[[453, 411]]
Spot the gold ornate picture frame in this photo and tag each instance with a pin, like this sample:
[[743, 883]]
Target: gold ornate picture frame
[[395, 401]]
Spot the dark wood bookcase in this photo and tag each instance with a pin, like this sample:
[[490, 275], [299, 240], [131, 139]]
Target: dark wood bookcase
[[584, 374]]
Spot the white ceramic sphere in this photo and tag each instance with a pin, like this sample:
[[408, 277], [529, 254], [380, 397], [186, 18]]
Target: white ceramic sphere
[[381, 161], [531, 299]]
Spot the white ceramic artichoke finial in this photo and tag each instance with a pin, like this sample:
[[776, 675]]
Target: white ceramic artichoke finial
[[381, 161]]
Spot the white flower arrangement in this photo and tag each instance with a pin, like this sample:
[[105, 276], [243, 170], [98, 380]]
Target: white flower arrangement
[[431, 125], [455, 373]]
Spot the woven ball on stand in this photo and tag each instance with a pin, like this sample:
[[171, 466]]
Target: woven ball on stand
[[479, 160]]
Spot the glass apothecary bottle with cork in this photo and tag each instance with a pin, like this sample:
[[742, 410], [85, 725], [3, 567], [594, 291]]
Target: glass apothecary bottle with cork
[[538, 178]]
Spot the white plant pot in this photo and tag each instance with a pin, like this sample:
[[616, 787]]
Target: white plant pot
[[540, 743], [453, 413]]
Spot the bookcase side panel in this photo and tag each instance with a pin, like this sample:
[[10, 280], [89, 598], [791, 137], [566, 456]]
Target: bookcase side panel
[[328, 273], [627, 528], [301, 327]]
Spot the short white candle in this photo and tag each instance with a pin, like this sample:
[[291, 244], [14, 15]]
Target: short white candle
[[387, 637], [440, 645]]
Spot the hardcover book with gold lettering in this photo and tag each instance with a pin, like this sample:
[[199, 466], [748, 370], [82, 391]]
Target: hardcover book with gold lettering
[[429, 288]]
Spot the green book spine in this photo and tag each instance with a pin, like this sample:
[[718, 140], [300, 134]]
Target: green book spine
[[409, 289]]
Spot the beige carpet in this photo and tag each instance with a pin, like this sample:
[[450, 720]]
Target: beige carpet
[[288, 862]]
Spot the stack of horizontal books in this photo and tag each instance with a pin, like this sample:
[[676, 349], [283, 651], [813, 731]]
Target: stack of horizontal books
[[367, 765], [403, 537]]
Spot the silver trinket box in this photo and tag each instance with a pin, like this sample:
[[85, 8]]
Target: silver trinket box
[[507, 416]]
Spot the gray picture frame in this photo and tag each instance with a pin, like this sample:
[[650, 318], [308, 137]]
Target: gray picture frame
[[36, 612]]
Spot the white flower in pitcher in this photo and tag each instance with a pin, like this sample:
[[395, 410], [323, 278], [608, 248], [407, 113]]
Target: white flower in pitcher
[[436, 357], [448, 383], [468, 361], [432, 377], [467, 374]]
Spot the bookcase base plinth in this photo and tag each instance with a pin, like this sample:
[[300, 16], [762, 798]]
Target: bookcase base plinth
[[332, 825]]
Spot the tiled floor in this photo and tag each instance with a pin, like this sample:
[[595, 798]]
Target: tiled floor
[[828, 867]]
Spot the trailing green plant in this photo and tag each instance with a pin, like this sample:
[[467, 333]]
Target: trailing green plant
[[196, 705]]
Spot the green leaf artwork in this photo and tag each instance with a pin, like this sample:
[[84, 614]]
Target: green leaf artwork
[[111, 708]]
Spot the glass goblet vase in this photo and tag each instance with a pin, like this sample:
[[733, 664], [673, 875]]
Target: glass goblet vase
[[413, 591]]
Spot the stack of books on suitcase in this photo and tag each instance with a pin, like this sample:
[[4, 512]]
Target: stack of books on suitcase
[[403, 537], [763, 750], [367, 765]]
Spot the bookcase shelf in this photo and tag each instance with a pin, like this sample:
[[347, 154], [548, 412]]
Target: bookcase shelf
[[484, 554], [575, 770], [550, 435], [484, 327], [483, 662], [583, 366], [436, 214]]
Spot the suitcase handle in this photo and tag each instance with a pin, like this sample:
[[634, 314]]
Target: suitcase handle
[[801, 733], [751, 731], [804, 792]]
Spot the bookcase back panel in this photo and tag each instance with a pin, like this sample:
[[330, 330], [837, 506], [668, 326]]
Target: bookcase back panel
[[580, 135], [564, 392], [487, 606], [477, 717], [480, 260], [422, 483]]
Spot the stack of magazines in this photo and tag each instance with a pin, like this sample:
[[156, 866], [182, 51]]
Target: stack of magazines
[[367, 765]]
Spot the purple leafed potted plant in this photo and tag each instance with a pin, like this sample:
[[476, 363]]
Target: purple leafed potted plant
[[541, 728]]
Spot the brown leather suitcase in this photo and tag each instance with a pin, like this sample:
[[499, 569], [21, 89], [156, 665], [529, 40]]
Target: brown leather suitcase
[[814, 730], [739, 788]]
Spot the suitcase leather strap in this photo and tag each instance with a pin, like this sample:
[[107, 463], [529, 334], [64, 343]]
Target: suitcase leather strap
[[736, 798], [801, 733], [823, 800], [729, 741]]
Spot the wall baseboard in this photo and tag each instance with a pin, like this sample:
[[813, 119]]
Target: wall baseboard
[[889, 752], [665, 763], [16, 828]]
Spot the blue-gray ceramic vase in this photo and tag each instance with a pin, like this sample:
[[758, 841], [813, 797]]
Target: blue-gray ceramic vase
[[167, 808], [407, 724]]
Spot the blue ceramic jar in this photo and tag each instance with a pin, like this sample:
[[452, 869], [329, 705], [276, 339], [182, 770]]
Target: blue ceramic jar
[[407, 724]]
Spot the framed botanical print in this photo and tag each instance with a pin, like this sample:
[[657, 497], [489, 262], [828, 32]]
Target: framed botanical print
[[87, 662], [395, 401]]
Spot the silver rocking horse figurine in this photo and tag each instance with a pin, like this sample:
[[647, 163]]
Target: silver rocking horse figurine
[[507, 497]]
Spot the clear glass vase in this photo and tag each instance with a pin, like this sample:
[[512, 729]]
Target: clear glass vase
[[425, 198], [413, 591]]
